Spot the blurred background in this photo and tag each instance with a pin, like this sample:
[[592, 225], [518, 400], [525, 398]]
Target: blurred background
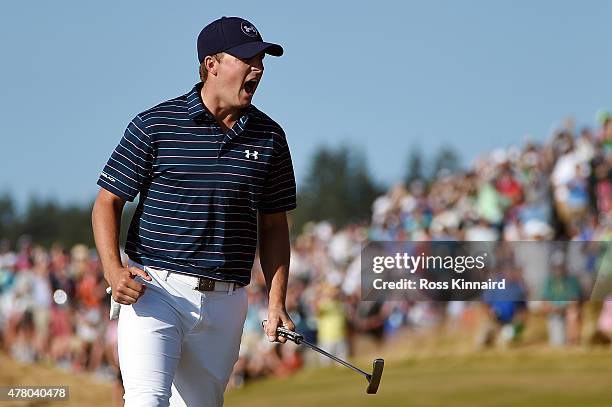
[[414, 121]]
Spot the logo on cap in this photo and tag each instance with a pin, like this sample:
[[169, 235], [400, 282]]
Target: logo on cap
[[249, 29]]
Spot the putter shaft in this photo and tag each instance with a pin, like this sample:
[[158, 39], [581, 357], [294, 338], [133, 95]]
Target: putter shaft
[[299, 339], [329, 355]]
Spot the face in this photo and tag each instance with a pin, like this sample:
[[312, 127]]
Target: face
[[237, 79]]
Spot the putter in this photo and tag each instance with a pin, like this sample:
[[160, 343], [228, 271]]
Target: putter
[[377, 365]]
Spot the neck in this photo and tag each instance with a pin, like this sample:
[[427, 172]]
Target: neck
[[224, 114]]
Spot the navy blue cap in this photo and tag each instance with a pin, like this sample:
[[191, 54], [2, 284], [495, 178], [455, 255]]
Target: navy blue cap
[[235, 36]]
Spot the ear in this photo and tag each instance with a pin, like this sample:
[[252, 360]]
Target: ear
[[211, 63]]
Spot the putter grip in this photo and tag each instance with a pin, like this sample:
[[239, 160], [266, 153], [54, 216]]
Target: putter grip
[[285, 333], [292, 336]]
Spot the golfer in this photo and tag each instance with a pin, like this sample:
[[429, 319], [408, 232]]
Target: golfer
[[215, 180]]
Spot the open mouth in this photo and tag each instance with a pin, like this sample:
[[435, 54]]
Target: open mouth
[[250, 86]]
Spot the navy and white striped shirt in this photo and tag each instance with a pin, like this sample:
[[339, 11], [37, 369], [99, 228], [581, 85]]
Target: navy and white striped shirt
[[200, 189]]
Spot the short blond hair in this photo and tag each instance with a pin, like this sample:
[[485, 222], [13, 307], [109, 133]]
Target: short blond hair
[[204, 71]]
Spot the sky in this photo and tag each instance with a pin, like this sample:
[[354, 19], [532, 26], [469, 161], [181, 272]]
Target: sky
[[380, 76]]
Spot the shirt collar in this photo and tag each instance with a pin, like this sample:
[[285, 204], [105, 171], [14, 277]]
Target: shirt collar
[[195, 107], [198, 111]]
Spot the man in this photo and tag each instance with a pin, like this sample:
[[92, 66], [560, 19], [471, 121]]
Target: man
[[215, 178]]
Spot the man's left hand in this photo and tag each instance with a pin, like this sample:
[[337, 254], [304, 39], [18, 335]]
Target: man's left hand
[[277, 317]]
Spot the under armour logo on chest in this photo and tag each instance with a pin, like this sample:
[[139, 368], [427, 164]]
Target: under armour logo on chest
[[249, 154]]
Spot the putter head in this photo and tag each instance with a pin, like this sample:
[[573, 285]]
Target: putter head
[[374, 378]]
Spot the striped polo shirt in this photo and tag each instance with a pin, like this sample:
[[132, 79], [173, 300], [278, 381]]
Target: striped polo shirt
[[200, 188]]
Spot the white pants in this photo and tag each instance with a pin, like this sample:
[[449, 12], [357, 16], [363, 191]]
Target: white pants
[[177, 345]]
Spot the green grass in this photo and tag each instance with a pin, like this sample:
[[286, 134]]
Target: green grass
[[516, 378], [529, 376]]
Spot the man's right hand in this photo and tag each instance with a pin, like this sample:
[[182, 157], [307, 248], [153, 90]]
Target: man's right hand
[[124, 289]]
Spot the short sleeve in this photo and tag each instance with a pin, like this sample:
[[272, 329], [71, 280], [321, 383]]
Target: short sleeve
[[130, 165], [279, 189]]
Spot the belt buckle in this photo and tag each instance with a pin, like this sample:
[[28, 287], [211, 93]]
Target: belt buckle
[[206, 284]]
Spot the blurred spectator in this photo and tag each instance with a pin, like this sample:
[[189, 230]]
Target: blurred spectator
[[563, 293], [331, 322], [506, 309]]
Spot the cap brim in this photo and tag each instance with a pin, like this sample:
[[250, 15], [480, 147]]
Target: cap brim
[[250, 49]]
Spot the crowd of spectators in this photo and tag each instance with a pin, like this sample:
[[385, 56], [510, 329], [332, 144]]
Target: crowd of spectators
[[54, 309]]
